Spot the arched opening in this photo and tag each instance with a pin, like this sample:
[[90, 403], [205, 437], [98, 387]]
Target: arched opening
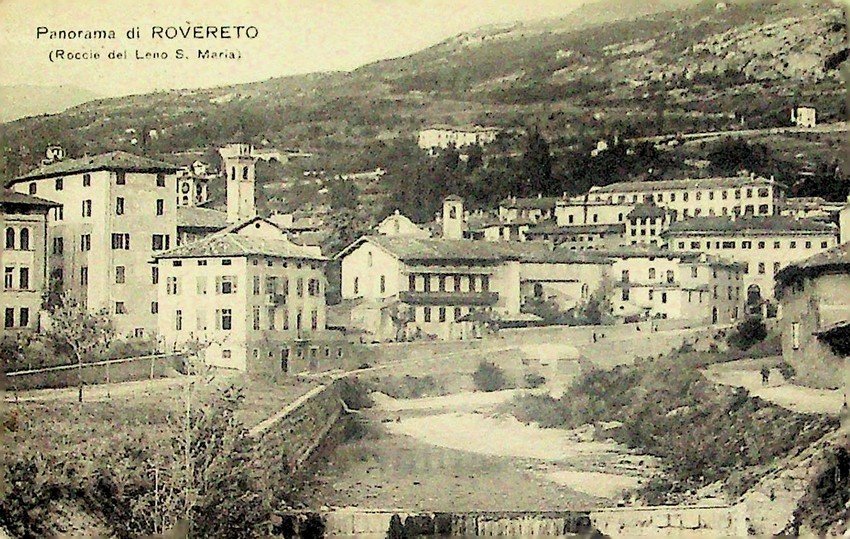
[[25, 239], [10, 238], [538, 290], [754, 299], [714, 315]]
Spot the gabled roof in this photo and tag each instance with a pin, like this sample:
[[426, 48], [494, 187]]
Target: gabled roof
[[647, 209], [229, 243], [196, 217], [749, 225], [117, 160], [407, 248], [10, 198]]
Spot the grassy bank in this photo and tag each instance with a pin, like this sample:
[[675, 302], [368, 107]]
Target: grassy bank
[[704, 433]]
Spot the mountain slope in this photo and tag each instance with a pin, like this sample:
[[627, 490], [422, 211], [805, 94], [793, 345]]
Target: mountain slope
[[702, 67]]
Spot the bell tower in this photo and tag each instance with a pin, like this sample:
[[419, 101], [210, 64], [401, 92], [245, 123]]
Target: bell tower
[[453, 218], [240, 173]]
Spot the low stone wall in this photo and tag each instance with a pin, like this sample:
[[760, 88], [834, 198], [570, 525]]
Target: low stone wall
[[691, 521], [101, 372]]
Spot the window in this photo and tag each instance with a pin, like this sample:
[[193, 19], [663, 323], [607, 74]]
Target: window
[[685, 196], [737, 194], [728, 245], [154, 275], [160, 179], [485, 283], [226, 284], [8, 277], [226, 319], [670, 276], [86, 180], [383, 284], [776, 245], [761, 268], [369, 259], [356, 285], [427, 314], [314, 320], [795, 335], [695, 245], [59, 213], [24, 317], [119, 206], [33, 188], [793, 245], [202, 262], [120, 274], [761, 245], [625, 276], [120, 308], [746, 244], [58, 184], [226, 354], [172, 286], [664, 297], [160, 242], [154, 307], [457, 313], [225, 262], [84, 276], [255, 289], [672, 197], [120, 177], [442, 314], [652, 273], [9, 319], [625, 294], [58, 246], [808, 245], [85, 242], [160, 206], [24, 279], [121, 241], [299, 287], [764, 209], [823, 245], [694, 272], [775, 268], [10, 238], [178, 320], [650, 294], [699, 195], [313, 286], [86, 208], [255, 318], [271, 317]]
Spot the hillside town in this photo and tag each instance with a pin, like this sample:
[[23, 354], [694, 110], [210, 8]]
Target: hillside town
[[582, 276]]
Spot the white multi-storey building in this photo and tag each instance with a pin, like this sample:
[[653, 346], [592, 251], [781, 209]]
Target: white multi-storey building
[[442, 136], [117, 210]]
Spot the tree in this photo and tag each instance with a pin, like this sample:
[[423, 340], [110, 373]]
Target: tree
[[536, 166], [87, 334], [343, 194]]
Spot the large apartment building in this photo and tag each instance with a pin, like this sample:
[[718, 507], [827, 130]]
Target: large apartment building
[[763, 245], [115, 211], [23, 258], [437, 137], [256, 299]]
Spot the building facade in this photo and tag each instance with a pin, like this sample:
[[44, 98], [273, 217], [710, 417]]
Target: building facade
[[763, 245], [814, 297], [442, 136], [254, 300], [23, 257], [117, 210]]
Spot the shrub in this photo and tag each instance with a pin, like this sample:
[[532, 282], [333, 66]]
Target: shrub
[[489, 377], [748, 333], [787, 371], [533, 380]]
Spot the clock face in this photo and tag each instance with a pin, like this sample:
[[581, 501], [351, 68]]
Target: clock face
[[184, 187]]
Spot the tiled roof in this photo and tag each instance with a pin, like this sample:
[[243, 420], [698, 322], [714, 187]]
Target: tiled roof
[[749, 225], [108, 161], [195, 217], [549, 228], [646, 209], [8, 197], [542, 203], [835, 260], [838, 255], [412, 248], [669, 185]]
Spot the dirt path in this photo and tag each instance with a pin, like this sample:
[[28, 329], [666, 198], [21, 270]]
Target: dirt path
[[792, 397]]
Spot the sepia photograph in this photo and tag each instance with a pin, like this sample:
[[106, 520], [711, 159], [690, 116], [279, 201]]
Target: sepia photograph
[[424, 268]]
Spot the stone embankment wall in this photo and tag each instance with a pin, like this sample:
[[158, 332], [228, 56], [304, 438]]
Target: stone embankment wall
[[690, 521], [307, 427]]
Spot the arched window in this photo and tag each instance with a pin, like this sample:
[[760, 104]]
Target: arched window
[[10, 238], [25, 239]]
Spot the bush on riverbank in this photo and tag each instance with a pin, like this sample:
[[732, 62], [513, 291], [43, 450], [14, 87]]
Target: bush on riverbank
[[489, 377], [704, 433]]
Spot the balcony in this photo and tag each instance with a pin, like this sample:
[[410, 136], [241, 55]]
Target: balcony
[[449, 298]]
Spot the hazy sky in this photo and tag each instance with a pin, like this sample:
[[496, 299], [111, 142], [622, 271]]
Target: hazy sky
[[294, 36]]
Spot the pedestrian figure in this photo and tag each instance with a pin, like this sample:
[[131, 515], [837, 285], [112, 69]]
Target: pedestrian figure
[[594, 336], [765, 375], [637, 328]]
